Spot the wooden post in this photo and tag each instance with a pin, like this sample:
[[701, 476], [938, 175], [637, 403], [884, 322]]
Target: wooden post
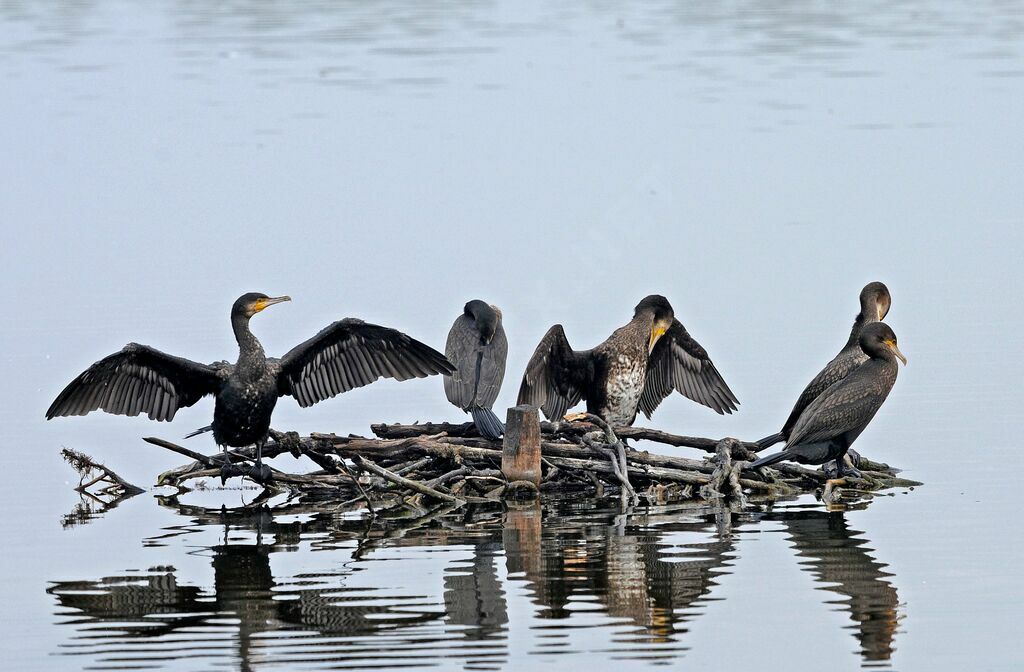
[[520, 455]]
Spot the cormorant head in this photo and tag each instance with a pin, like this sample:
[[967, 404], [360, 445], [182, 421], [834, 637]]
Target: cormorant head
[[249, 304], [878, 339], [875, 300], [487, 318], [661, 313]]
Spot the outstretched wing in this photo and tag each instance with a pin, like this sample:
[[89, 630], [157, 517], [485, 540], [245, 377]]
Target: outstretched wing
[[479, 369], [139, 379], [679, 363], [556, 375], [351, 353]]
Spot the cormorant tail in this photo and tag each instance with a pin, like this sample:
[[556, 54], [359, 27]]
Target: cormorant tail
[[487, 422], [201, 430], [770, 459], [770, 440]]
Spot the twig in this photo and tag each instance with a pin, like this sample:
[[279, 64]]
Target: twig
[[406, 482]]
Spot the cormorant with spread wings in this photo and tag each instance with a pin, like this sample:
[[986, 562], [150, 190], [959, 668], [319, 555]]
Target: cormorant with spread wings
[[635, 368], [348, 354]]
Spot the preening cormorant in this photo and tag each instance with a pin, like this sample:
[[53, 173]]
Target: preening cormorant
[[635, 368], [349, 353], [477, 347], [874, 305], [834, 420]]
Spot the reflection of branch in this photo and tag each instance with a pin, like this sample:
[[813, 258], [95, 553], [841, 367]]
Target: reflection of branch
[[99, 486]]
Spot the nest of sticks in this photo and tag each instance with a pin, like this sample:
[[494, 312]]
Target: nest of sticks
[[410, 465]]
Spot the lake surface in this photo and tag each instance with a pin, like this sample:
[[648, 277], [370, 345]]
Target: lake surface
[[757, 163]]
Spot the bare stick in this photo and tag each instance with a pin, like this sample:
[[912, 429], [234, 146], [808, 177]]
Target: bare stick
[[406, 482], [84, 464]]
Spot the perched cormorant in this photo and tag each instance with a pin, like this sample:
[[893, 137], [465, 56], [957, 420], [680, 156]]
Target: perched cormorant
[[635, 368], [477, 347], [349, 353], [833, 421], [874, 305]]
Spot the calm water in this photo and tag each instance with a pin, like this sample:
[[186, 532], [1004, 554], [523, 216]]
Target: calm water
[[755, 162]]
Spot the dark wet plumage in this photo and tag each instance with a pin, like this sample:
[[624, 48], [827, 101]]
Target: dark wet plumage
[[833, 421], [349, 353], [477, 347], [874, 305], [634, 369]]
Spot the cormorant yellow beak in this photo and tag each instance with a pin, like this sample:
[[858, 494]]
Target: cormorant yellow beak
[[260, 304], [896, 351], [656, 332]]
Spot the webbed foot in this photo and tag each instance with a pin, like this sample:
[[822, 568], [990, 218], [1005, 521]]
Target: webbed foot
[[846, 468], [854, 457], [229, 470], [261, 473]]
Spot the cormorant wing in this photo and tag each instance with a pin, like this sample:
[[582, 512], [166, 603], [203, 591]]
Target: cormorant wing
[[351, 353], [479, 368], [555, 376], [679, 363], [139, 379], [841, 366], [849, 404]]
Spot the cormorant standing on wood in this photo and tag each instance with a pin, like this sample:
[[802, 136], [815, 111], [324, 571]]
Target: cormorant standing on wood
[[349, 353], [635, 368], [832, 422], [477, 347], [874, 305]]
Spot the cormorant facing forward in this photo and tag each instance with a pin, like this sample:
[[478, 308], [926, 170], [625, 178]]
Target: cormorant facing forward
[[874, 305], [477, 347], [349, 353], [635, 368], [833, 421]]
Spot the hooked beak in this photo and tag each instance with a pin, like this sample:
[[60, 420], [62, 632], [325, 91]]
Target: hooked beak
[[656, 332], [264, 303], [896, 351]]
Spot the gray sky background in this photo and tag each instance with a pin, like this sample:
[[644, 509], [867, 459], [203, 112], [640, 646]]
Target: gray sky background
[[756, 163]]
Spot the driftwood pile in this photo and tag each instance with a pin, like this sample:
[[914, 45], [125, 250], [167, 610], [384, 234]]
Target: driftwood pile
[[453, 464]]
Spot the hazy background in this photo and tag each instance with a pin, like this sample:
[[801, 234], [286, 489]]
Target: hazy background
[[756, 162]]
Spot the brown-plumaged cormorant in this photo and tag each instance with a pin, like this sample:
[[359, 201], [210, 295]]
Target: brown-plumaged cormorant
[[635, 368], [349, 353], [477, 347], [874, 305], [833, 421]]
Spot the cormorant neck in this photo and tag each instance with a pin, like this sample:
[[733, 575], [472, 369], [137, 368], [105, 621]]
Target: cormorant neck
[[250, 352], [864, 318]]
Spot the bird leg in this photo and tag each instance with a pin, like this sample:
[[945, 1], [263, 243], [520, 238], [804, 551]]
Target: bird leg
[[227, 469], [260, 472], [844, 465]]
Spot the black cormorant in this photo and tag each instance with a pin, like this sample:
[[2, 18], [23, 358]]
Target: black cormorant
[[477, 347], [635, 368], [349, 353], [874, 305], [833, 421]]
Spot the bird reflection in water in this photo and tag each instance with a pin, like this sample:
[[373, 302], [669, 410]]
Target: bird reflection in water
[[840, 561], [647, 574]]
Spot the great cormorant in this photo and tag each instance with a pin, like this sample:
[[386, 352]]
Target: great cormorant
[[477, 347], [874, 305], [635, 368], [349, 353], [833, 421]]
